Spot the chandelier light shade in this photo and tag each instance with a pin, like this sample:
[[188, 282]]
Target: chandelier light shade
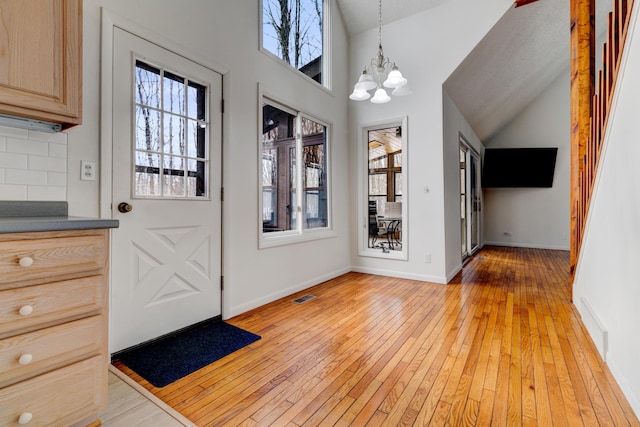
[[380, 72]]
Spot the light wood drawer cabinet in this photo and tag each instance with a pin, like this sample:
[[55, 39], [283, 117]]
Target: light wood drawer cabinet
[[30, 354], [53, 327], [58, 398], [32, 307], [44, 260]]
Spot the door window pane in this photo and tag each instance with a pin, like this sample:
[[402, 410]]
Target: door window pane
[[170, 136], [147, 176], [147, 129], [174, 93], [147, 85], [174, 134]]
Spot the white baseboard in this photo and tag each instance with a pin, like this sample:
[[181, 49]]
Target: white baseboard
[[234, 311], [400, 274], [527, 245], [632, 398], [453, 273]]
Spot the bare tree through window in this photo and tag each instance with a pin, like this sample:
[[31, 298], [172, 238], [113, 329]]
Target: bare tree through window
[[293, 31]]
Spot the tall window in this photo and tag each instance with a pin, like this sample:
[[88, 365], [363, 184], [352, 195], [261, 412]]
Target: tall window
[[293, 30], [170, 153], [385, 151], [289, 139]]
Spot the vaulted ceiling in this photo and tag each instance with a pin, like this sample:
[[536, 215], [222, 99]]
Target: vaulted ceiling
[[522, 54]]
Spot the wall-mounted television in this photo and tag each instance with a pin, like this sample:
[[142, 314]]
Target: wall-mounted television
[[518, 167]]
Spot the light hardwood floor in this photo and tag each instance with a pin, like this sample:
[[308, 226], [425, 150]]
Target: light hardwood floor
[[500, 345], [131, 406]]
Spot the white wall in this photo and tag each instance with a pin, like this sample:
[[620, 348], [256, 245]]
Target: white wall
[[225, 33], [608, 271], [535, 217], [455, 126], [427, 48]]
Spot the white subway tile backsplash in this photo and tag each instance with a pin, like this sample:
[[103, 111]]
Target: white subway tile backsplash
[[24, 146], [23, 176], [10, 160], [46, 193], [48, 164], [13, 192], [58, 137], [58, 150], [33, 165], [57, 179]]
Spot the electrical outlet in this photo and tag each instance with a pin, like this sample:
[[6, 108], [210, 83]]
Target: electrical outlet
[[507, 233], [87, 170], [427, 258]]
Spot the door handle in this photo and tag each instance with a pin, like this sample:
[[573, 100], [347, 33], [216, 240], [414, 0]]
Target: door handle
[[125, 207]]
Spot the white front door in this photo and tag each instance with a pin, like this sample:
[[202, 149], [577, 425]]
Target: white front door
[[166, 254]]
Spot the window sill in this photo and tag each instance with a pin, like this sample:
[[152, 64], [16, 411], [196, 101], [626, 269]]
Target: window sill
[[273, 239]]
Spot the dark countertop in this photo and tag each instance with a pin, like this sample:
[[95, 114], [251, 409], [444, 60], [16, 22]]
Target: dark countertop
[[26, 216]]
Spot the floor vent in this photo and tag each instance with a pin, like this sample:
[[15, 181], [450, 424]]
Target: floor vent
[[304, 298]]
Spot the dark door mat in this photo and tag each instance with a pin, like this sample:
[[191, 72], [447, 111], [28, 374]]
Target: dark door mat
[[170, 358]]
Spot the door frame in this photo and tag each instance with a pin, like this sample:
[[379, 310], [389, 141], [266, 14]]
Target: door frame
[[109, 22]]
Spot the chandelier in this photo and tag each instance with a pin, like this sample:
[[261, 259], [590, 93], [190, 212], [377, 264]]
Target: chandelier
[[380, 67]]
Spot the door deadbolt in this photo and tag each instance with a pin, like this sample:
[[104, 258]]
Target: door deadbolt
[[125, 207]]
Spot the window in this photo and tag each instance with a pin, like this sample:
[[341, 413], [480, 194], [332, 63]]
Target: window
[[290, 138], [383, 193], [293, 30], [170, 132]]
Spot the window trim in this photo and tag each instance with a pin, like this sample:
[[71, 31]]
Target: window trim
[[299, 234], [327, 80], [363, 191]]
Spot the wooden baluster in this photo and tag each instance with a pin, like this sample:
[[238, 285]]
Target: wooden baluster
[[615, 27], [582, 69]]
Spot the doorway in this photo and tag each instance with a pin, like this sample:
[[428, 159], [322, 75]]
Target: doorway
[[469, 199], [166, 180]]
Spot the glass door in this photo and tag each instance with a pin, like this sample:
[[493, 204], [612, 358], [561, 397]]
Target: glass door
[[469, 199]]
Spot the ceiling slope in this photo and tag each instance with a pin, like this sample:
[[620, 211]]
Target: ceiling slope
[[524, 52]]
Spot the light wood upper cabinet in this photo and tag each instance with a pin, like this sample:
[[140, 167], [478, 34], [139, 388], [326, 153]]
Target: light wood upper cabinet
[[41, 60]]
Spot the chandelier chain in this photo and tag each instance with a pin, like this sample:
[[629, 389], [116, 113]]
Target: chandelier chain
[[379, 22]]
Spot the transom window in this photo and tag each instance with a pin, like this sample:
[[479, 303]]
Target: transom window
[[290, 139], [171, 156], [293, 30]]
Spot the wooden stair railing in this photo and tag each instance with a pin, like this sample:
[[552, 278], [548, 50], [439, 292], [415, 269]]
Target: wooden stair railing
[[590, 108]]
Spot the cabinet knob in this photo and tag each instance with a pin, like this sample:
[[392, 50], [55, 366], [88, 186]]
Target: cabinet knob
[[25, 310], [25, 418], [26, 261], [25, 359]]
